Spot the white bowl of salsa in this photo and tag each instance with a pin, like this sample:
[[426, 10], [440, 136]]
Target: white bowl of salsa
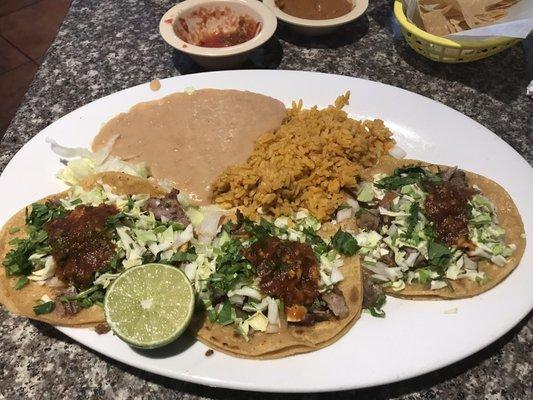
[[218, 33], [317, 17]]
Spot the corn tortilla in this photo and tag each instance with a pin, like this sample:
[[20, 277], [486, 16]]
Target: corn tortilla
[[509, 219]]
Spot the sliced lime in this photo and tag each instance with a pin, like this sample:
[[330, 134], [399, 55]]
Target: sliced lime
[[149, 305]]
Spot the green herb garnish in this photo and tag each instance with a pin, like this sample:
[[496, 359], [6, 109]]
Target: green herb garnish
[[439, 256], [412, 219], [376, 308], [344, 243], [42, 213], [407, 176], [181, 256], [44, 308], [23, 281], [16, 261], [315, 241], [231, 268], [225, 316]]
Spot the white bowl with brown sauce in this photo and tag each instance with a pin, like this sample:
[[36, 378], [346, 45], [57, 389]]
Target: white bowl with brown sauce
[[315, 18], [218, 34]]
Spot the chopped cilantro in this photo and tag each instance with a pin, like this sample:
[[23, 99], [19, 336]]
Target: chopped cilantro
[[23, 281], [395, 182], [225, 316], [116, 219], [315, 241], [16, 261], [181, 256], [228, 227], [343, 206], [231, 268], [344, 243], [412, 219], [423, 275], [439, 256], [44, 308], [42, 213], [376, 308], [14, 230], [407, 176]]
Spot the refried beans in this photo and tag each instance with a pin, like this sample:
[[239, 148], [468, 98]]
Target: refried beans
[[315, 9], [190, 139]]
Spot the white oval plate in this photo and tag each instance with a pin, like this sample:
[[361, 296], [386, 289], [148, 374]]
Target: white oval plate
[[415, 337]]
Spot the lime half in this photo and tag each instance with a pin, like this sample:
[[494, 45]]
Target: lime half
[[149, 305]]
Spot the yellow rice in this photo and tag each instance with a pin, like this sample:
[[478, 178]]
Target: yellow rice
[[305, 163]]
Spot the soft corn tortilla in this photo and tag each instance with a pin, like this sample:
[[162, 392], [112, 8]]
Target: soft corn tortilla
[[294, 339], [21, 302], [509, 219]]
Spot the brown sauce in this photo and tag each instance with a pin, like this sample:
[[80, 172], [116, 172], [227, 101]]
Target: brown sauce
[[155, 85], [190, 139], [287, 270], [446, 207], [315, 9], [81, 243]]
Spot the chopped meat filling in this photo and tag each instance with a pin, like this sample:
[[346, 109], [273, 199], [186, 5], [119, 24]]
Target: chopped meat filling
[[368, 219], [446, 207], [336, 303], [371, 290], [81, 243], [167, 207]]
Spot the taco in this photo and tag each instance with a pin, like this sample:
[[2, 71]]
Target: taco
[[430, 231], [42, 276], [301, 295], [265, 289]]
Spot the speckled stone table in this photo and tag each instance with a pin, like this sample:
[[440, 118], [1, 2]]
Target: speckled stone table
[[106, 46]]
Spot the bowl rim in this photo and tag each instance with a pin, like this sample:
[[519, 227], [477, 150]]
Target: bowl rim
[[441, 41], [359, 8], [166, 30]]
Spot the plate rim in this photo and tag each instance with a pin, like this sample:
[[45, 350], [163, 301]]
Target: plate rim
[[217, 383]]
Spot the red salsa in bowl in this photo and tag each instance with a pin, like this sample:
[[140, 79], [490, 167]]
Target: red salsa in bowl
[[216, 27]]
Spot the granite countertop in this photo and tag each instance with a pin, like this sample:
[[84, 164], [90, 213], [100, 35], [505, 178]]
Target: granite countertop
[[105, 46]]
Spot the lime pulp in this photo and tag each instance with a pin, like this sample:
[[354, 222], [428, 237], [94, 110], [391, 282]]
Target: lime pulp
[[150, 305]]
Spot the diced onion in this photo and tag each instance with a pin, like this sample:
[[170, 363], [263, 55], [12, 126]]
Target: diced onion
[[353, 203], [209, 226], [272, 328], [397, 152], [344, 214], [273, 315]]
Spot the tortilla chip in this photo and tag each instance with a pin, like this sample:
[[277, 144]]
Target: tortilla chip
[[294, 339], [509, 219], [21, 302]]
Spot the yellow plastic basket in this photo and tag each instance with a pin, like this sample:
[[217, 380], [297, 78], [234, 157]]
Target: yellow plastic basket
[[446, 50]]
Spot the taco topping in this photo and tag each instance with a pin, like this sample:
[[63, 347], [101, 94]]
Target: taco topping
[[167, 207], [286, 270], [259, 276], [432, 228], [446, 206], [81, 243]]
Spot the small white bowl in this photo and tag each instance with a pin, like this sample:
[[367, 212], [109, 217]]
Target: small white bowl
[[218, 57], [317, 27]]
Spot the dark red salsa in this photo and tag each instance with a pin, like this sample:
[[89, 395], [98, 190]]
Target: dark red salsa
[[287, 270], [225, 39], [447, 207], [81, 243], [217, 27]]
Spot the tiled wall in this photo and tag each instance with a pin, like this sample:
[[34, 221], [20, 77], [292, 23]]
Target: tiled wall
[[27, 27]]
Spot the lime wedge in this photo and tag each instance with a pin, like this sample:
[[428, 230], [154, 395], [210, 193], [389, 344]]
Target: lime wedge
[[150, 305]]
